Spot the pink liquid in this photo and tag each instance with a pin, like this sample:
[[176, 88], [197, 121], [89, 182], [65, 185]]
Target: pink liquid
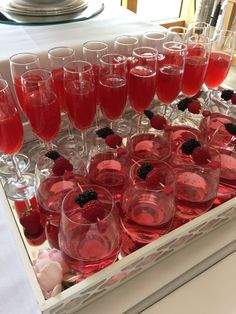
[[228, 168], [113, 96], [109, 172], [50, 195], [58, 78], [142, 85], [43, 112], [217, 69], [81, 103], [169, 79], [11, 132], [214, 130], [148, 146], [96, 69], [146, 216], [194, 74], [90, 248]]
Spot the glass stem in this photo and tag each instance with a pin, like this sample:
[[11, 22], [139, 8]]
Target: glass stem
[[70, 128], [49, 145], [140, 117], [84, 143], [17, 169], [111, 125]]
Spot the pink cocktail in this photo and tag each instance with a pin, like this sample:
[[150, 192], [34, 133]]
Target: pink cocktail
[[58, 78], [89, 240]]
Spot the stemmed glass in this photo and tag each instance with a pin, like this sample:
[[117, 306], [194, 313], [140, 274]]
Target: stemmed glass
[[176, 33], [223, 45], [58, 57], [170, 72], [124, 45], [142, 80], [198, 28], [19, 63], [92, 53], [113, 86], [20, 186], [80, 96], [41, 104], [154, 39]]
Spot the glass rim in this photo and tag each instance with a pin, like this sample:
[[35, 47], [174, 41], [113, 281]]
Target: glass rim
[[148, 49], [70, 49], [105, 45], [148, 33], [90, 186], [74, 71], [42, 70], [36, 58], [178, 27], [108, 55], [135, 39], [184, 46]]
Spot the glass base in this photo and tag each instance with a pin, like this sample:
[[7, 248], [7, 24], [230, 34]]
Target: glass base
[[69, 142], [24, 188], [37, 149], [6, 166]]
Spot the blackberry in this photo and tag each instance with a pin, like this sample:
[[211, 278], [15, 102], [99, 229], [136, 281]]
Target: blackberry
[[85, 197], [144, 169], [52, 154], [183, 104], [188, 146], [104, 132], [227, 94], [231, 128], [149, 114]]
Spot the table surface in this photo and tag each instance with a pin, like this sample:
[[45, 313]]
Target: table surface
[[212, 291]]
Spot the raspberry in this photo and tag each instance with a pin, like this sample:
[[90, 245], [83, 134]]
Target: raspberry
[[68, 175], [143, 170], [206, 113], [158, 122], [215, 164], [61, 165], [93, 211], [121, 151], [149, 114], [52, 154], [201, 156], [188, 146], [104, 132], [155, 179], [30, 220], [233, 99], [227, 94], [85, 197], [183, 104], [194, 107], [113, 140]]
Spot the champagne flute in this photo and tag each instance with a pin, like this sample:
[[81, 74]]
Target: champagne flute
[[113, 86], [154, 39], [92, 53], [176, 33], [170, 72], [142, 80], [58, 57], [80, 97], [41, 104], [20, 186], [198, 28]]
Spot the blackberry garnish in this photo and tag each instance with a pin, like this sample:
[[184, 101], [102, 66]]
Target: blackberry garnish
[[85, 197], [52, 154], [104, 132], [188, 146], [148, 114], [183, 104], [227, 94], [231, 128], [144, 169]]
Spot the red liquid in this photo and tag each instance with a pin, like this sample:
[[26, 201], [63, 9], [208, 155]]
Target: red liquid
[[194, 74], [11, 131], [81, 103], [109, 172], [142, 85], [113, 96], [43, 112], [21, 206], [169, 79], [218, 68], [96, 69], [58, 78]]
